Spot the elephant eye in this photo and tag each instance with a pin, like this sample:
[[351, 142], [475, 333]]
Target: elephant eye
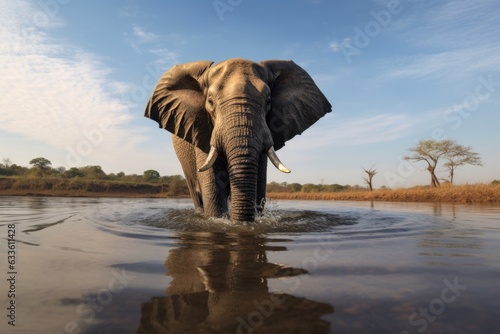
[[210, 104], [268, 105]]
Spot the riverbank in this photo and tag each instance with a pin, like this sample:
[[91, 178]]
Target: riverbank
[[10, 186], [57, 187], [447, 194]]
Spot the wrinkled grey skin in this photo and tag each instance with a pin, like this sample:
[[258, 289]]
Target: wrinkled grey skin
[[218, 278], [240, 110]]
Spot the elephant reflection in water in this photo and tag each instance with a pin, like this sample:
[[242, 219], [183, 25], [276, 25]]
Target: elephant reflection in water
[[219, 285]]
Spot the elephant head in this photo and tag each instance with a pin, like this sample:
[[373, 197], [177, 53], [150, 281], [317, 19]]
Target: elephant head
[[238, 112]]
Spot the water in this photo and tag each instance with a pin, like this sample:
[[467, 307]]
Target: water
[[156, 266]]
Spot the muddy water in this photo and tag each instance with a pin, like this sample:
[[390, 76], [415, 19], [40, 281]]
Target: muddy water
[[156, 266]]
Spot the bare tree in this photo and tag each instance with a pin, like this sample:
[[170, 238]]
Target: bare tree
[[6, 162], [370, 173], [431, 151], [459, 156]]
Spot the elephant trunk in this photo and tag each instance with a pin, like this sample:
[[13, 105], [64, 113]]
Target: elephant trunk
[[243, 187], [243, 148]]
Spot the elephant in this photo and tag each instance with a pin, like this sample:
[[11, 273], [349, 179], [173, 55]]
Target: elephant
[[226, 120], [220, 284]]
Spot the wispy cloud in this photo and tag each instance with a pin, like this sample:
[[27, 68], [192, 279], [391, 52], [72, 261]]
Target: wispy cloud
[[164, 56], [143, 35], [57, 93], [128, 11], [447, 64], [458, 23], [362, 130], [455, 38], [140, 39], [447, 39], [338, 46], [163, 47]]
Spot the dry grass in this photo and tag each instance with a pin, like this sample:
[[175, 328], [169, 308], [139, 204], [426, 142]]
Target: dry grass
[[18, 186], [96, 188], [451, 194]]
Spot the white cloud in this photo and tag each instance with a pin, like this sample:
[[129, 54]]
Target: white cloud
[[452, 63], [165, 58], [335, 46], [456, 39], [128, 11], [447, 24], [345, 44], [375, 129], [143, 35], [361, 131], [58, 94], [143, 41]]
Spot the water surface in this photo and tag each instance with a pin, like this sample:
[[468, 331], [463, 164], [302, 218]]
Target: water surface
[[157, 266]]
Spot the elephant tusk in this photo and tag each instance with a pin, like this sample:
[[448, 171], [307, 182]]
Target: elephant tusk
[[276, 161], [212, 156]]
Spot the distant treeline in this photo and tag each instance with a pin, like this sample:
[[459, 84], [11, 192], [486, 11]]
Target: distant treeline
[[41, 168], [42, 177], [285, 187], [92, 179], [174, 185], [51, 186]]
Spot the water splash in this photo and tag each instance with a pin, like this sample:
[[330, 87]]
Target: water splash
[[271, 221]]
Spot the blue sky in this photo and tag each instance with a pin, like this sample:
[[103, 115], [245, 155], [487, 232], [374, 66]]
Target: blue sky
[[76, 76]]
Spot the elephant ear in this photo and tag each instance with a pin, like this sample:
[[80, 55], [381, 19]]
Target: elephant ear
[[178, 103], [297, 103]]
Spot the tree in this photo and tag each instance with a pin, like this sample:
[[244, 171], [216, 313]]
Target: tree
[[431, 151], [73, 172], [335, 187], [40, 163], [370, 173], [151, 175], [310, 188], [459, 156], [93, 172], [61, 169], [5, 167], [6, 163], [13, 169], [177, 185]]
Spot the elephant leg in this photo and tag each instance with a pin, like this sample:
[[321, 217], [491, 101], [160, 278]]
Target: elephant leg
[[208, 189], [213, 184], [187, 157]]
